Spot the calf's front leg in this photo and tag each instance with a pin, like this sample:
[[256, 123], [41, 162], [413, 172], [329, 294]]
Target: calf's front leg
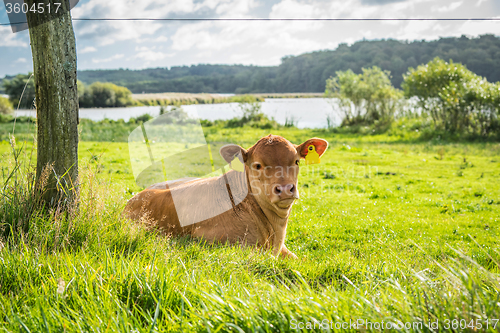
[[286, 253]]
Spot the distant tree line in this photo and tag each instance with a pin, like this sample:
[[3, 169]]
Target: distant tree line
[[309, 72]]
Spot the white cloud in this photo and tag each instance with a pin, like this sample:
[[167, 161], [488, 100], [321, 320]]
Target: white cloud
[[283, 37], [198, 35], [87, 49], [414, 30], [109, 32], [288, 36], [264, 43], [115, 57], [470, 28], [292, 40], [149, 55], [356, 9], [160, 39], [296, 9], [132, 8], [8, 38], [445, 9], [21, 60], [239, 8], [140, 44]]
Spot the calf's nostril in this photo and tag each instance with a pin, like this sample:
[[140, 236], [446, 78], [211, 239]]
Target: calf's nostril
[[289, 188], [277, 189]]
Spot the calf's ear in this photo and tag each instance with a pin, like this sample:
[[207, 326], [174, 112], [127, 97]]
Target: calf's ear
[[319, 144], [229, 152]]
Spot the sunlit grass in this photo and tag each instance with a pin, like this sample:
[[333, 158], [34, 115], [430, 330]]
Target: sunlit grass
[[399, 232]]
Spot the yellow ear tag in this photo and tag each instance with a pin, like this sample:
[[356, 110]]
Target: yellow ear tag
[[312, 156], [237, 165]]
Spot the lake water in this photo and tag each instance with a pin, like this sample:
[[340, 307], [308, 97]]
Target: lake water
[[306, 112]]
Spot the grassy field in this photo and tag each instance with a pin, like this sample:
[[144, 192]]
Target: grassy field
[[387, 231]]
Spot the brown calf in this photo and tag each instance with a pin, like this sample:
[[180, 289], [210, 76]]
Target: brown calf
[[250, 207]]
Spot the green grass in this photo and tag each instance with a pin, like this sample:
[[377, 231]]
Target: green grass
[[387, 229]]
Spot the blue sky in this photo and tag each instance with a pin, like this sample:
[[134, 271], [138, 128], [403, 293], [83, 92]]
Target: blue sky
[[136, 45]]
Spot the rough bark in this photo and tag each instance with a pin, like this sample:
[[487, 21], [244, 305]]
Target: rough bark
[[54, 64]]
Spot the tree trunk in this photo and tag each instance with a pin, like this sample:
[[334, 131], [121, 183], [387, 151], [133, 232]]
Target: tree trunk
[[54, 64]]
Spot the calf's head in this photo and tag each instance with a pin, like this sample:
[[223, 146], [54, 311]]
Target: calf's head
[[272, 165]]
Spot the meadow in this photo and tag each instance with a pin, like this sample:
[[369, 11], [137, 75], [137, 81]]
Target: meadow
[[389, 230]]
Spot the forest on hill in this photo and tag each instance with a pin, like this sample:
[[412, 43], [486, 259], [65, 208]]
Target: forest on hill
[[309, 72]]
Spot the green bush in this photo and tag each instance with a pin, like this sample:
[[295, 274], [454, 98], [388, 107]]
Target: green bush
[[15, 87], [5, 105], [98, 94], [458, 100], [176, 115], [245, 99], [6, 118], [364, 98], [102, 95], [9, 118], [81, 91], [251, 115], [141, 119]]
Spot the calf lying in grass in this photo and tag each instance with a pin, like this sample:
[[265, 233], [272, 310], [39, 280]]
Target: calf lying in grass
[[248, 205]]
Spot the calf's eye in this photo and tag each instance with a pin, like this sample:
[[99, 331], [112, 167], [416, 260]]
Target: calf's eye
[[258, 166]]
